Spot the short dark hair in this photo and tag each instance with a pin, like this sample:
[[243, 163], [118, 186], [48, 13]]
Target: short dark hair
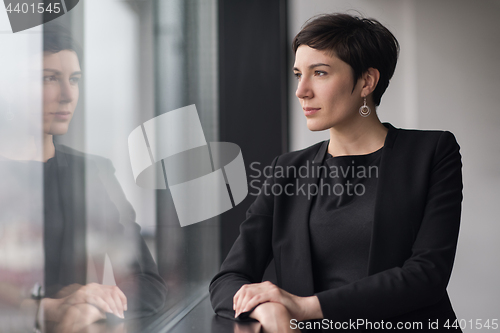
[[360, 42], [56, 38]]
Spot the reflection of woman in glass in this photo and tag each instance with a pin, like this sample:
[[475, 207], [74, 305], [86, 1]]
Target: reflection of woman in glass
[[82, 219], [364, 246]]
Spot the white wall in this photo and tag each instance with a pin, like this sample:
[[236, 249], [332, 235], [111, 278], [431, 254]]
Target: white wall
[[447, 77]]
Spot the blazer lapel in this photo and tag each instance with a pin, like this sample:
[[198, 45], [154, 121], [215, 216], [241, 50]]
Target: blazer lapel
[[72, 193], [391, 233], [295, 252]]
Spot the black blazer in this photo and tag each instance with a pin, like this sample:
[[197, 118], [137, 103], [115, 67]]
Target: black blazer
[[415, 232], [94, 206]]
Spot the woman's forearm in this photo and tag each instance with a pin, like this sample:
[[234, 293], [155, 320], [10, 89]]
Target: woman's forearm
[[274, 317], [311, 308]]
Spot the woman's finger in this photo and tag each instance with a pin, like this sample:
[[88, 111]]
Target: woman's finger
[[247, 292], [242, 302], [122, 297], [240, 294], [112, 295], [262, 293], [108, 298], [237, 303], [99, 303], [254, 301], [118, 301]]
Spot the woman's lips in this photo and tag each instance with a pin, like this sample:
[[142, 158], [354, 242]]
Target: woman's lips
[[63, 115], [310, 111]]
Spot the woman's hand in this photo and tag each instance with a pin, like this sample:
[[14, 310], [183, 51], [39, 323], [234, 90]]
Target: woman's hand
[[68, 290], [106, 298], [273, 317], [85, 305], [251, 295], [77, 317]]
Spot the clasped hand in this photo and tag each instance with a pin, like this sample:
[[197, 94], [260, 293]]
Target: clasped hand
[[251, 295], [78, 306]]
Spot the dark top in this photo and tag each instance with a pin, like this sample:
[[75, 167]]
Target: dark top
[[341, 219], [53, 228]]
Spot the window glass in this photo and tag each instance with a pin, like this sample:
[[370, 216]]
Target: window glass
[[72, 216]]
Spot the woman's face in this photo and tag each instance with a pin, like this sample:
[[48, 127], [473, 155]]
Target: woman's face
[[325, 89], [61, 74]]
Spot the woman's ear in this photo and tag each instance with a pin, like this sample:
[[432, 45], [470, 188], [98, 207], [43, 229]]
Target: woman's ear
[[370, 80]]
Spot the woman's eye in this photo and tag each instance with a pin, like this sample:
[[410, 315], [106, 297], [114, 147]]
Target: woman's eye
[[49, 78], [74, 80], [297, 75], [319, 73]]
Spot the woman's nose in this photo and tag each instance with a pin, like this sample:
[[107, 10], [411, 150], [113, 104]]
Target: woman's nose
[[67, 92], [303, 89]]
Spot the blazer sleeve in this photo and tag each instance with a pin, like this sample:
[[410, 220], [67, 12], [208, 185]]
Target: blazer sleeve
[[250, 255], [422, 279]]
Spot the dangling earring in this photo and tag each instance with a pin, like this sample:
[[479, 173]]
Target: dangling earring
[[364, 110]]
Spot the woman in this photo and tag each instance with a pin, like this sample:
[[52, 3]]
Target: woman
[[86, 214], [376, 246], [108, 223]]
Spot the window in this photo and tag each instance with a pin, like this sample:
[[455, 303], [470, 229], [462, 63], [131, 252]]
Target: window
[[138, 60]]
